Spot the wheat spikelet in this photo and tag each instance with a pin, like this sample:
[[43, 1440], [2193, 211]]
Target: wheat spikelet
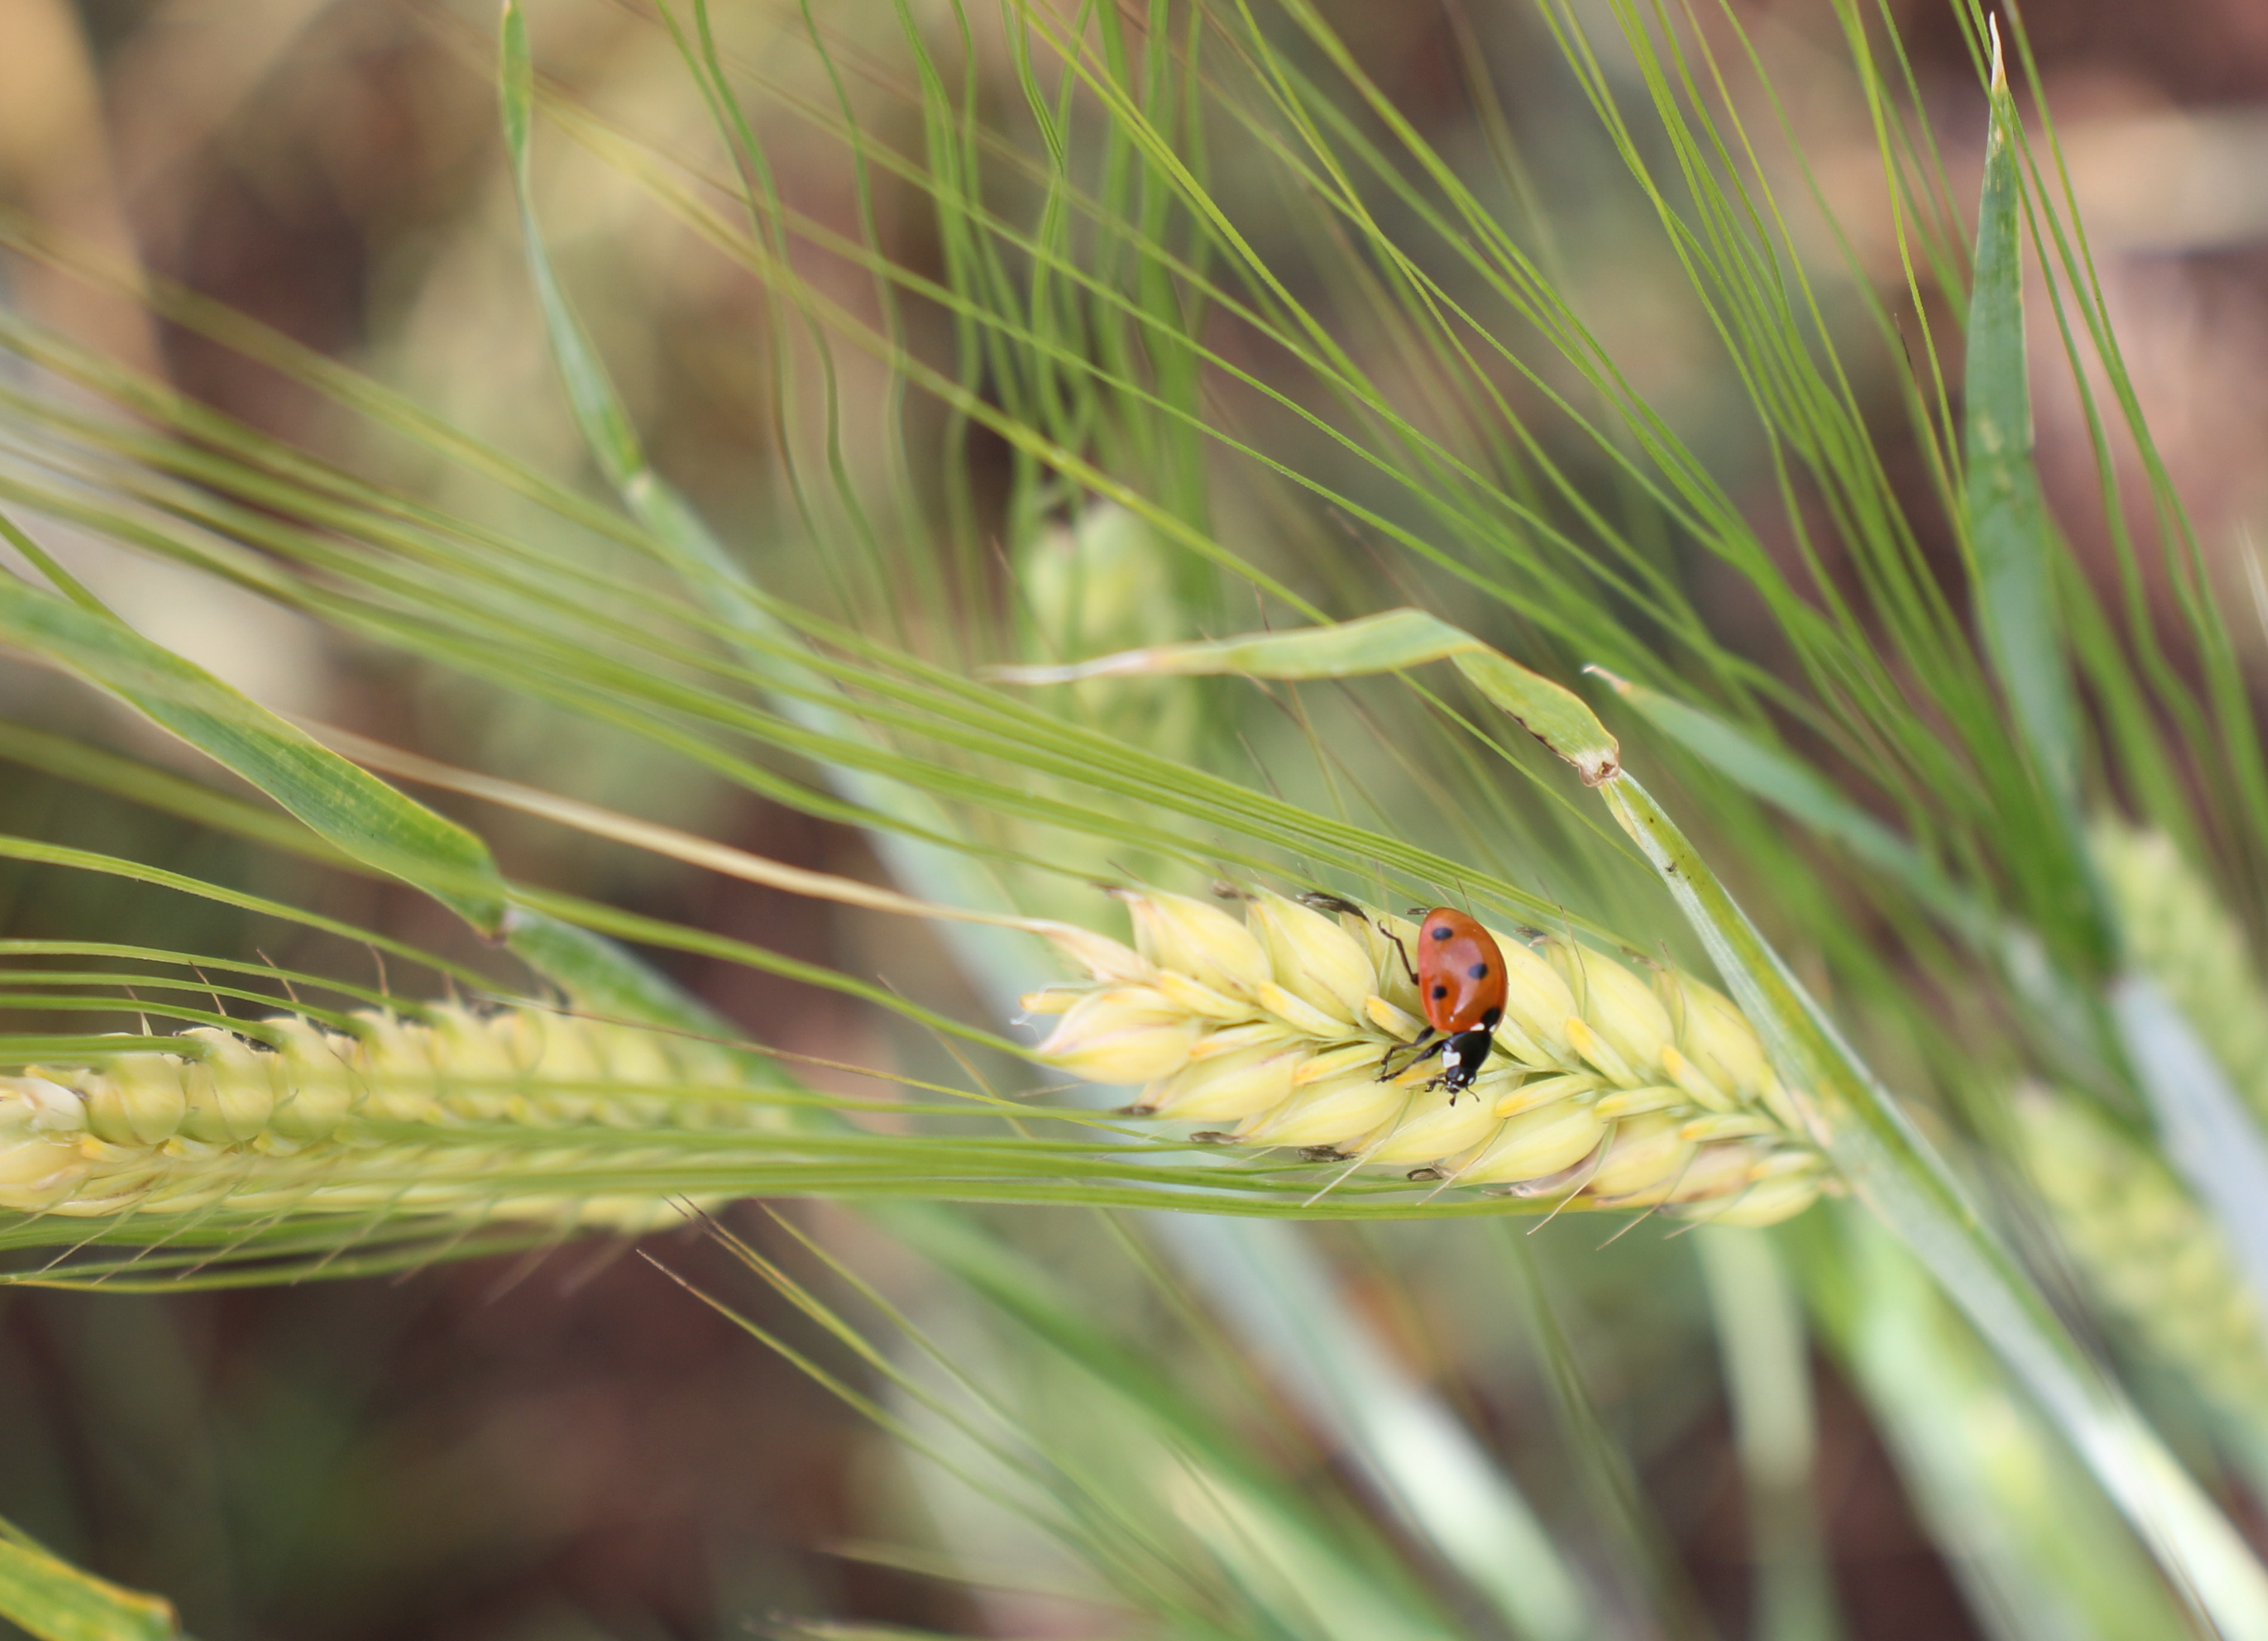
[[1623, 1093], [2154, 1256], [2179, 933], [387, 1117]]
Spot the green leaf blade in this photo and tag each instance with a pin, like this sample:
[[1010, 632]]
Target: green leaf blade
[[351, 809], [56, 1601]]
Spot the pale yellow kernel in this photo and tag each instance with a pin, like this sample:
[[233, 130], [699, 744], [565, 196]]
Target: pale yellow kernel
[[1542, 1091], [477, 1062], [1339, 1061], [135, 1099], [1226, 1087], [1515, 1044], [1714, 1035], [396, 1067], [1395, 1024], [1122, 1035], [1229, 1039], [1536, 1005], [38, 1171], [569, 1056], [1113, 962], [1389, 947], [1600, 1053], [1337, 1111], [1783, 1104], [1688, 1077], [231, 1091], [1617, 1006], [1731, 1125], [1199, 998], [1777, 1163], [316, 1084], [1715, 1170], [1647, 1151], [1532, 1144], [1312, 957], [1429, 1126], [1204, 942], [1765, 1204], [1297, 1013], [1632, 1102]]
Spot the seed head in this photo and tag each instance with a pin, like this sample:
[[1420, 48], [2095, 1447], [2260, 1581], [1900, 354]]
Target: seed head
[[321, 1121], [1294, 1027]]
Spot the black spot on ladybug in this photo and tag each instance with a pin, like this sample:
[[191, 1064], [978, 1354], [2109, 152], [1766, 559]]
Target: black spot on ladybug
[[1477, 971], [1440, 991], [1440, 931], [1491, 1018]]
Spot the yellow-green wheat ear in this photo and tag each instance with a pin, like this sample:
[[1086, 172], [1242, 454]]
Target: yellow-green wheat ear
[[2148, 1251], [1608, 1089], [433, 1117]]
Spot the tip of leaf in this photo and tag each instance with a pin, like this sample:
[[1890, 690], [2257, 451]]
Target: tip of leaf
[[1621, 686], [1999, 60]]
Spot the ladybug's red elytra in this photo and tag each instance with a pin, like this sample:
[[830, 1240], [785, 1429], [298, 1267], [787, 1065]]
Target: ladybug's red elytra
[[1460, 980], [1460, 973]]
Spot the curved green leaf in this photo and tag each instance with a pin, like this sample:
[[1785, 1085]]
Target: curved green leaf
[[49, 1597], [349, 807], [1391, 641]]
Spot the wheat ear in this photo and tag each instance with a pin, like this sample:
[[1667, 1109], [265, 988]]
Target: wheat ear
[[1605, 1088]]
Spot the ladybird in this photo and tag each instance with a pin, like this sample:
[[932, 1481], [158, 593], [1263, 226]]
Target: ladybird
[[1460, 978]]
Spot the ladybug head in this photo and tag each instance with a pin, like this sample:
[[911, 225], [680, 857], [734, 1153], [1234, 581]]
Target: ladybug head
[[1462, 1056]]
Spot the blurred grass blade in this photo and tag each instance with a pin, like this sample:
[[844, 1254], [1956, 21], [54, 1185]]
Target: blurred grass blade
[[1760, 1340], [1284, 1551], [353, 810], [50, 1599], [1405, 1443], [1642, 1550], [1793, 786], [1002, 962], [2037, 1552], [2007, 519], [2202, 1125], [2069, 1024], [1894, 1171]]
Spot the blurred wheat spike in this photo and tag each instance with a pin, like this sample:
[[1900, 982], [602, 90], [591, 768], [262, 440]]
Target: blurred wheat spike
[[1614, 1093], [2145, 1247], [389, 1118], [2180, 933]]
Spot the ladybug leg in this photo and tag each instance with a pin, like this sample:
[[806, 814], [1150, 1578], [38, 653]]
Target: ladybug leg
[[1387, 1070], [1401, 952]]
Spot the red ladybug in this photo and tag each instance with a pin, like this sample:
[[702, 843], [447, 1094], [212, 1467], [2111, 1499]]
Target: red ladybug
[[1460, 980], [1459, 976]]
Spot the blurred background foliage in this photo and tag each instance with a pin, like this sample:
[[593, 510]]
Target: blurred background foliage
[[571, 1445]]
